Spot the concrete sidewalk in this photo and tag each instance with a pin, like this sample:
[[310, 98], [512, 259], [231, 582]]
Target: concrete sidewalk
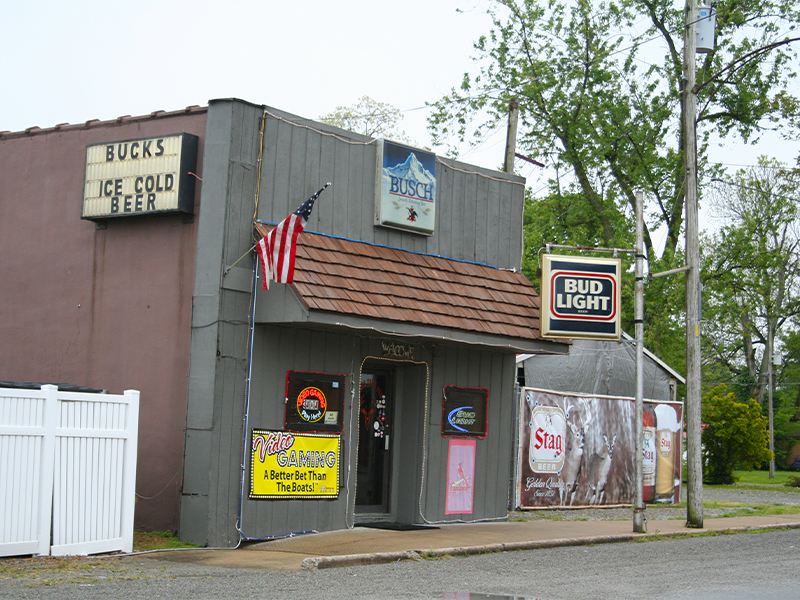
[[361, 546]]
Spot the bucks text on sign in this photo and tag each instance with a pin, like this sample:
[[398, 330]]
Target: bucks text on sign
[[144, 176], [580, 297]]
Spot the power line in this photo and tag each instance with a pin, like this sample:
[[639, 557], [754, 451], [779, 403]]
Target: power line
[[752, 189]]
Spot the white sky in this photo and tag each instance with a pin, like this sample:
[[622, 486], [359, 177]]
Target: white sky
[[86, 59], [68, 62]]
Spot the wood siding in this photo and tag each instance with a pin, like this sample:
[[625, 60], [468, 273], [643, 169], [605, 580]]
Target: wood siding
[[479, 218], [478, 213]]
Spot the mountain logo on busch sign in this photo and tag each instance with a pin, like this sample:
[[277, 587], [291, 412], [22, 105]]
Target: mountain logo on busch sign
[[407, 195]]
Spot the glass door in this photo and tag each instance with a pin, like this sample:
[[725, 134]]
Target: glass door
[[374, 441]]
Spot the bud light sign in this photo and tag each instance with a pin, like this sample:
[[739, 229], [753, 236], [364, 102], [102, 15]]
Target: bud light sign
[[580, 297], [406, 188]]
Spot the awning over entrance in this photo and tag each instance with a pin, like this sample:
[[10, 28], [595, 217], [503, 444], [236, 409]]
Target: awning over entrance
[[356, 284]]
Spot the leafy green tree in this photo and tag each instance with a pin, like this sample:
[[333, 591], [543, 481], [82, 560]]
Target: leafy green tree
[[751, 274], [599, 87], [787, 397], [600, 101], [735, 436], [368, 117], [789, 371]]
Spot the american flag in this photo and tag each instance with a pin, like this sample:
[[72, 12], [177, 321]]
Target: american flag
[[277, 248]]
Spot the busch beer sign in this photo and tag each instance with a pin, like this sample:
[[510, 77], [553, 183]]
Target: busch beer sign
[[406, 188], [580, 297]]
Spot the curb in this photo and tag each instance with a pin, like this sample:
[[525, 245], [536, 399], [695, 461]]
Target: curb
[[353, 560]]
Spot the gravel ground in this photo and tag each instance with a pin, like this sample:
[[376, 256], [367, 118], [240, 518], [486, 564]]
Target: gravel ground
[[95, 578], [665, 511]]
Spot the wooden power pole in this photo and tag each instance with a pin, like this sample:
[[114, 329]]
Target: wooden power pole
[[692, 405], [511, 137], [638, 319]]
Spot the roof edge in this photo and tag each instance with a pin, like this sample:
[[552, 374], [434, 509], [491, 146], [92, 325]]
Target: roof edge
[[92, 123], [427, 332]]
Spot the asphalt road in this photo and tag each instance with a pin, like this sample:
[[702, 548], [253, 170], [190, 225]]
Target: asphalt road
[[764, 566], [731, 567]]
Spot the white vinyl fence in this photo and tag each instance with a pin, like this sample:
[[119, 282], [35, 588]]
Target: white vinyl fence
[[67, 471]]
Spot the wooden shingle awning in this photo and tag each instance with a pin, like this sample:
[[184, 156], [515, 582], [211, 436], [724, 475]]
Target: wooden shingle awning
[[404, 292]]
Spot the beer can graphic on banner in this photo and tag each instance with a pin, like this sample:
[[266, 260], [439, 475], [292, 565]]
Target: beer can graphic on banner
[[548, 431], [666, 429], [649, 453]]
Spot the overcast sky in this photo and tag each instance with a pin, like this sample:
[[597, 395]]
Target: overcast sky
[[72, 61], [85, 59]]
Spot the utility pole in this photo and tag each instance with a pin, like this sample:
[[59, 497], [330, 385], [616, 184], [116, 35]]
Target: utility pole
[[638, 319], [511, 137], [770, 360], [694, 507]]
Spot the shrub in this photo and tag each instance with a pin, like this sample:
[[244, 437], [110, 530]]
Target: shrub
[[735, 436]]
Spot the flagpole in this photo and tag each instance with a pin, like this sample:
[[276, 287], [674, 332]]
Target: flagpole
[[322, 189], [240, 258]]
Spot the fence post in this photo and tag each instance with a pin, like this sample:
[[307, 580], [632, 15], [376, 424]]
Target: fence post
[[50, 421], [129, 472]]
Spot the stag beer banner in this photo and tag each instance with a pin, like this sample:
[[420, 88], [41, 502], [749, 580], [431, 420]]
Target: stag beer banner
[[577, 450], [290, 465]]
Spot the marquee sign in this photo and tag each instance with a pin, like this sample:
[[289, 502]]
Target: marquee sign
[[406, 188], [138, 177], [580, 297]]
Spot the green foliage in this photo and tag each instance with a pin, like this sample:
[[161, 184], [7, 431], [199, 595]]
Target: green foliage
[[794, 481], [607, 118], [790, 370], [368, 117], [735, 436], [665, 305], [600, 86], [751, 277], [785, 429]]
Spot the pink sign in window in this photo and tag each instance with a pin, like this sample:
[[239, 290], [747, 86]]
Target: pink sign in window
[[460, 476]]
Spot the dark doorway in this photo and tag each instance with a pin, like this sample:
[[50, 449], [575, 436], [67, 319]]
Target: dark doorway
[[374, 440]]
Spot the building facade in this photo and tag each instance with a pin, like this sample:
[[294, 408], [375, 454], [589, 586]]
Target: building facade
[[357, 393], [101, 304]]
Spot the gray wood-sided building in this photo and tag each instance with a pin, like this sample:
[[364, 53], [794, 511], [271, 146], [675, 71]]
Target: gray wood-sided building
[[399, 314], [403, 329]]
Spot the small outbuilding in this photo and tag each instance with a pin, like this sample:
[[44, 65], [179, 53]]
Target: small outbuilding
[[604, 367]]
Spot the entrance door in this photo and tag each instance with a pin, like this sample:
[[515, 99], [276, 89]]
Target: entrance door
[[374, 441]]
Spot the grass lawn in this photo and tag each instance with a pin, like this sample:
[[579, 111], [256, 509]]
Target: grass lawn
[[157, 540], [760, 479]]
